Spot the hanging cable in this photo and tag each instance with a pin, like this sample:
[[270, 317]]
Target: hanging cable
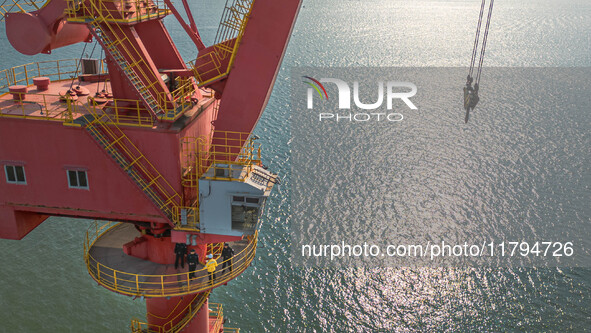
[[98, 85], [90, 57], [476, 39], [78, 66], [484, 39]]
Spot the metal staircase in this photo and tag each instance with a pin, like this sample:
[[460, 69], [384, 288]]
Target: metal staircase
[[217, 62], [232, 24], [133, 162], [128, 67]]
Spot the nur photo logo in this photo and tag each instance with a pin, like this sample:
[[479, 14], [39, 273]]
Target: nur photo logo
[[387, 93]]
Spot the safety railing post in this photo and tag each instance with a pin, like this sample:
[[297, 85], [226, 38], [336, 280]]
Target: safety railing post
[[137, 107], [115, 279], [26, 75]]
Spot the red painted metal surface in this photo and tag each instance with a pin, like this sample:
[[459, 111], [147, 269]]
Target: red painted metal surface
[[17, 224], [54, 148], [257, 63], [159, 249], [163, 312], [48, 149], [43, 30]]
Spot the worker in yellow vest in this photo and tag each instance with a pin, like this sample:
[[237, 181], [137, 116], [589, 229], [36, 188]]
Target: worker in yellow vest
[[211, 265]]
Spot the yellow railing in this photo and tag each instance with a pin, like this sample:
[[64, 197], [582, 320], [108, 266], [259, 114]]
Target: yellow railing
[[49, 107], [216, 312], [208, 65], [181, 98], [228, 152], [120, 11], [231, 330], [124, 50], [123, 47], [161, 285], [23, 6], [45, 107], [233, 156], [132, 160], [232, 25], [215, 248], [186, 218], [174, 325], [126, 112], [24, 74]]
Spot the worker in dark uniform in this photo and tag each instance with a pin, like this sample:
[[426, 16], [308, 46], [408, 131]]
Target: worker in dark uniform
[[192, 260], [180, 249], [227, 254]]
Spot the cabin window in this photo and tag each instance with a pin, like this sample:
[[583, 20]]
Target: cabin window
[[252, 200], [15, 174], [248, 200], [244, 218], [77, 179], [221, 170]]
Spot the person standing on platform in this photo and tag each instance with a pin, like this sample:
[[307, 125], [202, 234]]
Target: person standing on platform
[[180, 249], [227, 254], [211, 265], [192, 260]]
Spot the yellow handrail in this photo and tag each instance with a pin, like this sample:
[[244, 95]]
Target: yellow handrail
[[24, 74], [122, 112], [128, 154], [217, 312], [133, 57], [226, 32], [127, 11], [161, 285], [226, 151], [181, 98]]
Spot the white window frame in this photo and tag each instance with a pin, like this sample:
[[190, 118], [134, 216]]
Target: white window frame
[[77, 186], [16, 182], [244, 202]]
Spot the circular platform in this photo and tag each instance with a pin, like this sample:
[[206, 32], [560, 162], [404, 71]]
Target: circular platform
[[113, 269]]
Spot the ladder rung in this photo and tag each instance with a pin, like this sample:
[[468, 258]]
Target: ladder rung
[[115, 142], [152, 182], [133, 162]]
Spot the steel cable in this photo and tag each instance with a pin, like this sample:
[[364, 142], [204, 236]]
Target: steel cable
[[477, 38], [484, 39]]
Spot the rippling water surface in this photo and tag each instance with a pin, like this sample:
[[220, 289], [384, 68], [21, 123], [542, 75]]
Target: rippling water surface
[[45, 287]]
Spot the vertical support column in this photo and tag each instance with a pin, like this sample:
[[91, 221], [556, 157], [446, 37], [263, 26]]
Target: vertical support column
[[200, 323], [167, 312]]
